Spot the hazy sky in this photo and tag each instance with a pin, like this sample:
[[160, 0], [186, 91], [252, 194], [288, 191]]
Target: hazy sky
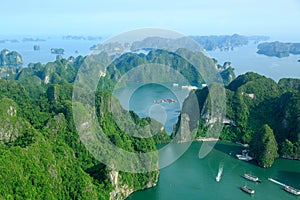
[[191, 17]]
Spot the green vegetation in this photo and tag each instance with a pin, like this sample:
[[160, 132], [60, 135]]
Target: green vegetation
[[264, 146], [52, 163], [195, 76], [254, 101], [42, 156], [278, 49]]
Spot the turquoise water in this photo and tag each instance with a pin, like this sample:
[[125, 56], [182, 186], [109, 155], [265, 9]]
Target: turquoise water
[[191, 178], [142, 100]]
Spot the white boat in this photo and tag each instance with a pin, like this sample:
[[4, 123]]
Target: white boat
[[292, 190], [286, 187], [247, 189], [251, 177], [244, 155]]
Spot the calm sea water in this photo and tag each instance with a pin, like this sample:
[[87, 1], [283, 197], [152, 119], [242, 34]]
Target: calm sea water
[[191, 178], [245, 59], [44, 54], [142, 98]]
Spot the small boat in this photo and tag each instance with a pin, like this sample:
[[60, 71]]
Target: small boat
[[244, 155], [247, 189], [251, 178], [292, 190], [244, 145]]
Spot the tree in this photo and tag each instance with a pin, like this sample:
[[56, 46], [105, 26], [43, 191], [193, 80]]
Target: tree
[[264, 146], [287, 149]]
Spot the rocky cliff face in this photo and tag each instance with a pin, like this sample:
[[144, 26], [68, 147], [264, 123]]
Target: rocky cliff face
[[123, 190], [11, 126], [10, 59]]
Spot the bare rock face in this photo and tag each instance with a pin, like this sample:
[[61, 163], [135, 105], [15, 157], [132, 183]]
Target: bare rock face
[[10, 124], [121, 191], [12, 111]]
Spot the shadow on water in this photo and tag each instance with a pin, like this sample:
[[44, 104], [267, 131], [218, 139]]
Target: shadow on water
[[228, 148], [231, 149], [292, 177]]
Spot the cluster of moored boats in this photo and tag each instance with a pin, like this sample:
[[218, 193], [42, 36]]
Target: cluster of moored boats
[[164, 101], [244, 156], [251, 191], [250, 177]]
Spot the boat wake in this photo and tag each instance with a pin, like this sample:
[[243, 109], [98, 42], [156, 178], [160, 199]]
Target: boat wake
[[218, 177]]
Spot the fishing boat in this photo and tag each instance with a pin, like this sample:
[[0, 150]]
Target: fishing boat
[[292, 190], [247, 189], [251, 178]]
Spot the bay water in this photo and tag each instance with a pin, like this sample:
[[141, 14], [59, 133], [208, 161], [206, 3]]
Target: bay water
[[190, 177]]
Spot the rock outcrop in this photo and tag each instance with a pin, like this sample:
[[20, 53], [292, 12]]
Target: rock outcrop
[[10, 58]]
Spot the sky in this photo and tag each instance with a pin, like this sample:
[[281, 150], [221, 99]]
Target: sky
[[277, 19]]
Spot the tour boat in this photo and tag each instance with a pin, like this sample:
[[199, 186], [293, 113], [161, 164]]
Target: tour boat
[[247, 189], [251, 178]]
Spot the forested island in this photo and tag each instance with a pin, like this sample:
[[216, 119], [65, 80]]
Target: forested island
[[58, 51], [262, 113], [10, 59], [209, 43], [227, 42], [278, 49], [42, 156]]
